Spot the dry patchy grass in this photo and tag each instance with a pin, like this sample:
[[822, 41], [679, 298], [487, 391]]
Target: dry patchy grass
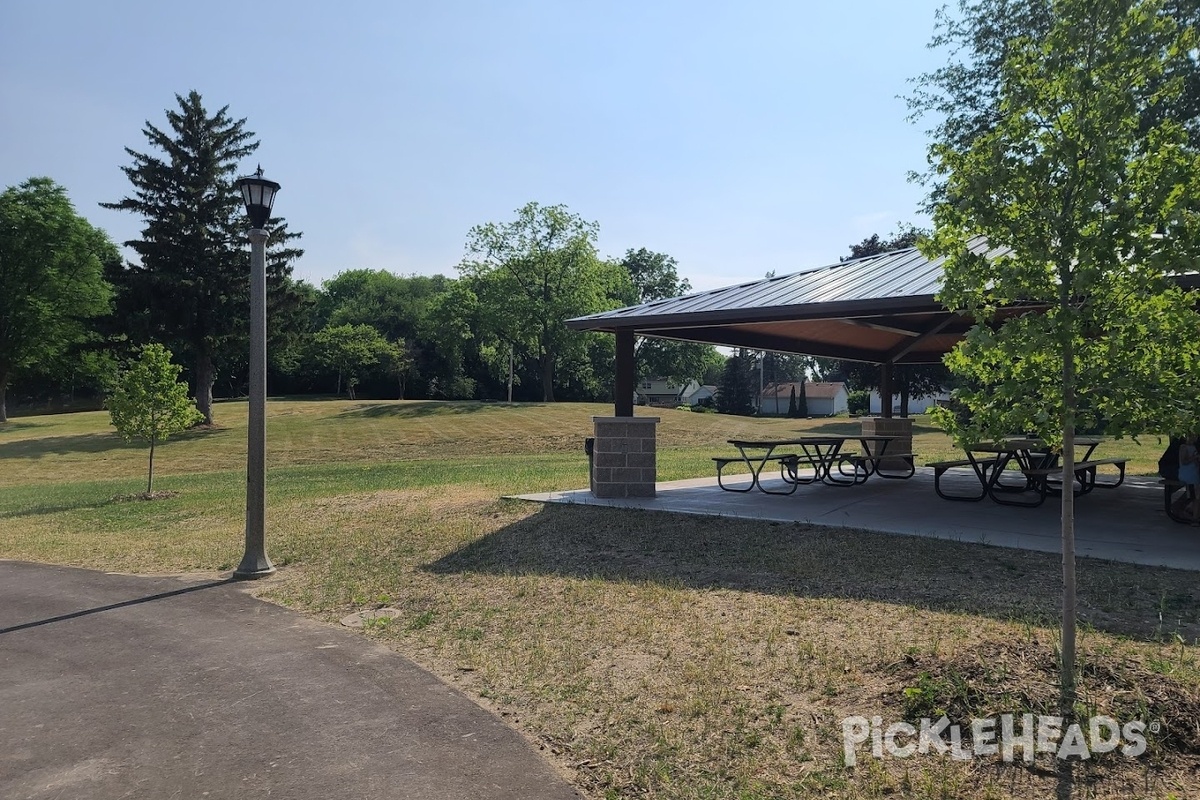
[[661, 658], [653, 655]]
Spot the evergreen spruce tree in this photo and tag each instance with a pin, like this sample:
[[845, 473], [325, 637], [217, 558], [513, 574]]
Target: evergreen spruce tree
[[737, 385], [802, 402], [191, 289], [792, 403]]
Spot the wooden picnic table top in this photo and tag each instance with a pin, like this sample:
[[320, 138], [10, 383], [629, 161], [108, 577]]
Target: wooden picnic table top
[[1024, 443], [802, 440]]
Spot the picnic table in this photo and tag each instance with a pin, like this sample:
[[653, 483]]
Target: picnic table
[[812, 459], [1034, 468]]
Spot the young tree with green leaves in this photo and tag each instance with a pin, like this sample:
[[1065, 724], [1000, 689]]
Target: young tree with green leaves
[[51, 277], [149, 402], [191, 287], [431, 315], [532, 274], [1073, 157], [349, 350]]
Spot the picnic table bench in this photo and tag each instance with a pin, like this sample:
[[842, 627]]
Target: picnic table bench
[[1038, 468], [782, 458], [820, 454], [872, 464], [1170, 487], [939, 469]]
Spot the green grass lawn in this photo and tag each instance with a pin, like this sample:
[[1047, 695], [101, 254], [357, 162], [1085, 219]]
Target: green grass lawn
[[651, 655]]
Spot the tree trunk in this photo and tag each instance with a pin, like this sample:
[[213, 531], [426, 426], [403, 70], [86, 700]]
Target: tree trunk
[[1067, 673], [150, 478], [3, 393], [547, 378], [206, 375], [904, 398]]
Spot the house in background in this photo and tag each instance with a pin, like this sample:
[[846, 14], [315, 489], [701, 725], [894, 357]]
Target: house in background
[[661, 393], [823, 399], [915, 406], [695, 395], [664, 394]]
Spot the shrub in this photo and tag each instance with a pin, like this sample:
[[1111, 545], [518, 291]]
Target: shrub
[[859, 402]]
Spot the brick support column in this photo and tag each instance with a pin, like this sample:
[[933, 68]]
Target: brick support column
[[624, 461], [890, 426]]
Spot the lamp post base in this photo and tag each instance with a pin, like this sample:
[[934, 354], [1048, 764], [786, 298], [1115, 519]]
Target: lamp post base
[[254, 567]]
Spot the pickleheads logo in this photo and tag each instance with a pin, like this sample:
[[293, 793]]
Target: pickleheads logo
[[999, 736]]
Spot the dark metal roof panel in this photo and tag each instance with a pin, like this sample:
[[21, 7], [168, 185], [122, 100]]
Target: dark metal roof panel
[[899, 274]]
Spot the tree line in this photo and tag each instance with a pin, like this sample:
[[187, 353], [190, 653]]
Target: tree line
[[72, 309]]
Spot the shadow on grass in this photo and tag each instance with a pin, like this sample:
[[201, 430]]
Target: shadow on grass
[[89, 443], [853, 427], [424, 408], [13, 427], [814, 561], [57, 508]]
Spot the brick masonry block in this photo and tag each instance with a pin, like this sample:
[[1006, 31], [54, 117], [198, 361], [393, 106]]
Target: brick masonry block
[[641, 489], [611, 429], [606, 459], [618, 444], [610, 490], [643, 460]]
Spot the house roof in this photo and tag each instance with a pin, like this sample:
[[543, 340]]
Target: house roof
[[812, 389], [875, 309], [823, 391]]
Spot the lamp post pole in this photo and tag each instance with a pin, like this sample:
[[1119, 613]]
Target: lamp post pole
[[258, 194]]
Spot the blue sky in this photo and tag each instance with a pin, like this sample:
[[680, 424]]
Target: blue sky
[[737, 137]]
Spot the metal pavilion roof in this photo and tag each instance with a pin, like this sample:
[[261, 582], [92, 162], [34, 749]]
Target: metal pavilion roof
[[878, 309]]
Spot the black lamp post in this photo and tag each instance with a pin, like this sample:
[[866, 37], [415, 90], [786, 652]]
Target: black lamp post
[[258, 193]]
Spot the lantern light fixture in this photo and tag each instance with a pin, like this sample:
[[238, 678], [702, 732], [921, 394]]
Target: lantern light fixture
[[258, 194]]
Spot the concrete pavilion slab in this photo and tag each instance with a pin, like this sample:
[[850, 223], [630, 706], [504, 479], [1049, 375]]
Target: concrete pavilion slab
[[1125, 524]]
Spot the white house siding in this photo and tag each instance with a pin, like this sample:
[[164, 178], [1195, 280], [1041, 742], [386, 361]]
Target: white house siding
[[914, 406]]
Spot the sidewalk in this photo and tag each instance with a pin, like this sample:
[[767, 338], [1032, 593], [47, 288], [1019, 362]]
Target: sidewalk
[[1123, 524], [116, 686]]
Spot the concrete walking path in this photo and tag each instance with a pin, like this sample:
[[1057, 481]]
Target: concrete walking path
[[117, 686], [1122, 524]]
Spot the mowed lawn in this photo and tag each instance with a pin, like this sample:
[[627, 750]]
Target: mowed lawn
[[649, 655]]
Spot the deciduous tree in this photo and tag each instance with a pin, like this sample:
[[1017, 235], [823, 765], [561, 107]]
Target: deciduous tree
[[349, 350], [148, 402], [1073, 157], [51, 277], [873, 245], [531, 275], [655, 276]]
